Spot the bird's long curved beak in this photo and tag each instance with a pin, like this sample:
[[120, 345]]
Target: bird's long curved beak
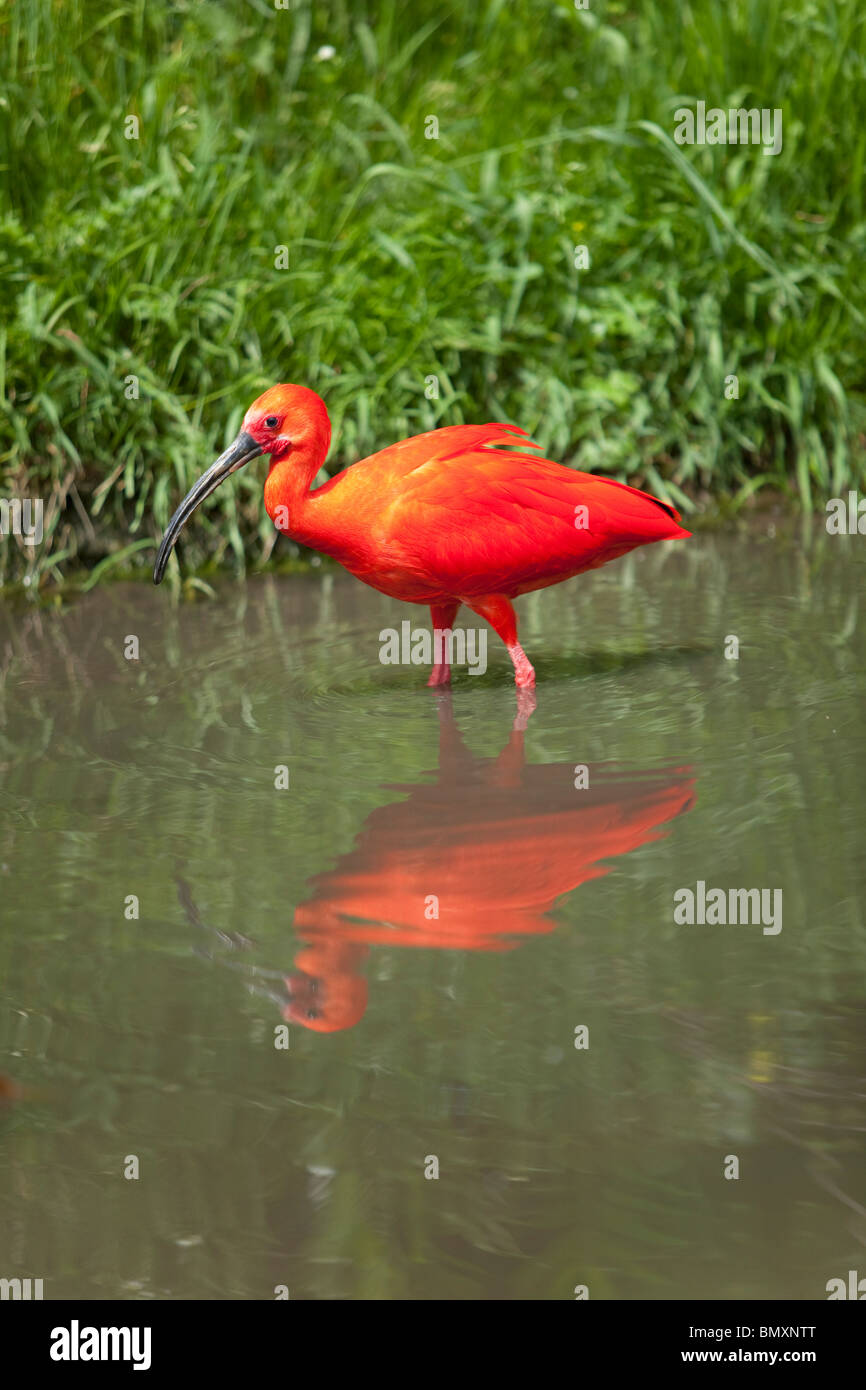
[[236, 455]]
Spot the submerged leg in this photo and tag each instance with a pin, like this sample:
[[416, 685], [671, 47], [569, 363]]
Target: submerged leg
[[500, 615], [442, 616]]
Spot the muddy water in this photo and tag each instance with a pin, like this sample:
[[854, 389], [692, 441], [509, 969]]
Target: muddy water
[[284, 935]]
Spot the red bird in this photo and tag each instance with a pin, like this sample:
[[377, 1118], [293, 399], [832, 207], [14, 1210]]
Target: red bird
[[443, 519]]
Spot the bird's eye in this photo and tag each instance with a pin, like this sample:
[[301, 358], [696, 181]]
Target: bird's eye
[[312, 1013], [271, 422]]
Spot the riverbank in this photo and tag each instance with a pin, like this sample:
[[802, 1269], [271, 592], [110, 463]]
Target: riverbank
[[203, 200]]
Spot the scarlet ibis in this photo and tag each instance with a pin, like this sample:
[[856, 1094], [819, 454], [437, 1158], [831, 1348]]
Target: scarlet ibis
[[444, 518]]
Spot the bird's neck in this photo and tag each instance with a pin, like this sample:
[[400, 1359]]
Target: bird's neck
[[290, 504]]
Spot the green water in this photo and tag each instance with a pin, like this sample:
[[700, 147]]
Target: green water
[[451, 1037]]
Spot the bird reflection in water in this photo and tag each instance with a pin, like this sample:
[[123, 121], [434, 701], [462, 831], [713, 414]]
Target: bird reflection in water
[[474, 860]]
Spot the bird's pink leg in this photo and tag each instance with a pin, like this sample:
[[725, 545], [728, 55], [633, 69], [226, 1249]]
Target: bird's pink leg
[[442, 616], [501, 616]]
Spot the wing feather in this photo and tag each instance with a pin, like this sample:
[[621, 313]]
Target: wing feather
[[482, 520], [452, 512]]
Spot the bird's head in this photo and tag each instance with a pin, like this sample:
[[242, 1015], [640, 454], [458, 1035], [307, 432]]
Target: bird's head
[[325, 1004], [285, 420]]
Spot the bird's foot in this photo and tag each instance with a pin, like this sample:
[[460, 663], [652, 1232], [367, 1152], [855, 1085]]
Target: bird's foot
[[439, 676], [526, 707], [524, 675]]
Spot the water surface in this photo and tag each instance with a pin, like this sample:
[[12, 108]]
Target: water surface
[[148, 786]]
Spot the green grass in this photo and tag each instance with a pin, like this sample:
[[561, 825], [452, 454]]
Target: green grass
[[411, 258]]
